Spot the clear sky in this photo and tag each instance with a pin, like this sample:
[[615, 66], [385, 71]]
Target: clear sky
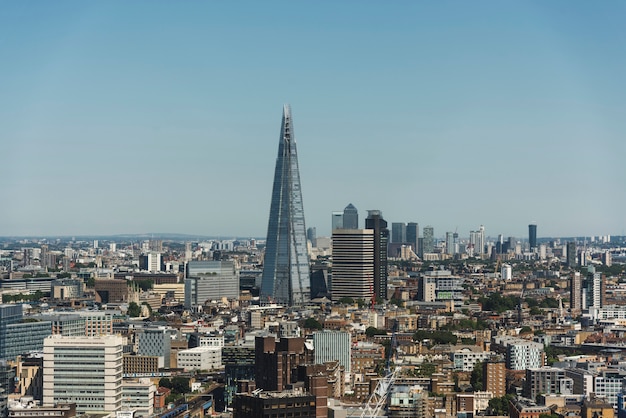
[[164, 116]]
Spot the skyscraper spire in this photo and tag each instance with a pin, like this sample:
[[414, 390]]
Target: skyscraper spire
[[286, 277]]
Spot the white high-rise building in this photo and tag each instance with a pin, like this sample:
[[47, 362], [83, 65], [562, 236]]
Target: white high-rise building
[[353, 263], [83, 370], [506, 272]]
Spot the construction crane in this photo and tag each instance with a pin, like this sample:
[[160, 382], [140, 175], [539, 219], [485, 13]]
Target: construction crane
[[378, 398]]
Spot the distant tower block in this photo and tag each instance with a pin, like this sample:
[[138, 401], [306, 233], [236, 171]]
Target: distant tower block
[[286, 276], [532, 235]]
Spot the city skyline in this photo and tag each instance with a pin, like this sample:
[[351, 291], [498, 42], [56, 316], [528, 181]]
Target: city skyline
[[456, 114]]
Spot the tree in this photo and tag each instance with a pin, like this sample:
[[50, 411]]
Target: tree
[[64, 275], [371, 331], [500, 406], [165, 382], [346, 301], [425, 369], [437, 337], [134, 310], [312, 323], [476, 379], [180, 384]]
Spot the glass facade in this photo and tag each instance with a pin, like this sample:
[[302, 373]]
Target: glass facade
[[286, 277]]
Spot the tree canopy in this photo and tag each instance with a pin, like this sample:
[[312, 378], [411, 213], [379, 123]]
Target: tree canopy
[[312, 323]]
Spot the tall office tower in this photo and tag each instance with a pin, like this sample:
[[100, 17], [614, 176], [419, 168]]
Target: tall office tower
[[494, 377], [398, 232], [532, 236], [450, 243], [575, 292], [595, 291], [286, 265], [188, 252], [376, 222], [311, 235], [412, 235], [151, 261], [337, 220], [571, 254], [500, 244], [350, 217], [83, 370], [353, 264], [481, 242], [429, 240]]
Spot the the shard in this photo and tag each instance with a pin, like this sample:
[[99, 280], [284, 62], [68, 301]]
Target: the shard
[[286, 276]]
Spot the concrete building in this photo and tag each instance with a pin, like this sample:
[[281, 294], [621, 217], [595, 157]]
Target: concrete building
[[138, 396], [155, 342], [466, 358], [428, 245], [72, 325], [210, 280], [112, 291], [151, 261], [353, 264], [522, 354], [284, 404], [547, 380], [200, 358], [276, 359], [84, 370], [494, 377], [64, 289], [576, 292]]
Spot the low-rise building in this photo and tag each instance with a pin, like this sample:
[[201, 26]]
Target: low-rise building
[[200, 358]]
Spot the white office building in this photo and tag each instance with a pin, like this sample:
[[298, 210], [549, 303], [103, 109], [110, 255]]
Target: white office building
[[138, 396], [522, 354], [200, 358], [83, 370], [466, 358]]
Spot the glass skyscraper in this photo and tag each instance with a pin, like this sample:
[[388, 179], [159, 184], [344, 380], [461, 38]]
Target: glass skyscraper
[[286, 276], [376, 222], [532, 235], [350, 217]]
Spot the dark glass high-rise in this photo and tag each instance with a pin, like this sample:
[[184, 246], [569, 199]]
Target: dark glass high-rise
[[376, 222], [286, 272], [350, 217], [532, 235]]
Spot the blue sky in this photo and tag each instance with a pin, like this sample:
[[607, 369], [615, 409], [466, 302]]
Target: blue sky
[[162, 116]]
